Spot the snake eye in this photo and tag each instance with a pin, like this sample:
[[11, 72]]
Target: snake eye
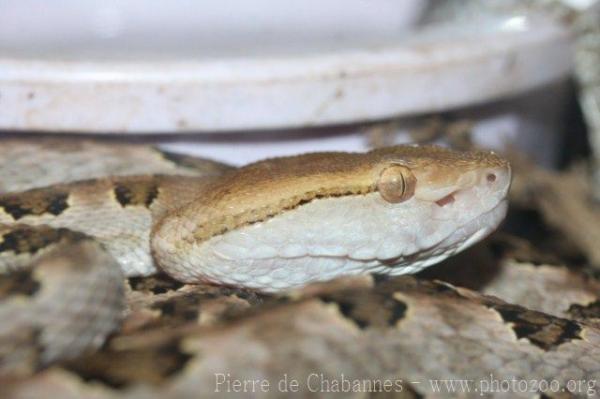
[[396, 184]]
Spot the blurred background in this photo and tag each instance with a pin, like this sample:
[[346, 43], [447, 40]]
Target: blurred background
[[238, 81]]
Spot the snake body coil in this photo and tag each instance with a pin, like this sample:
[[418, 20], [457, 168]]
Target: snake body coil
[[68, 236]]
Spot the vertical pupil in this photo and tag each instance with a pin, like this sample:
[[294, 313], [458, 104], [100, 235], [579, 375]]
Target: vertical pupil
[[402, 184]]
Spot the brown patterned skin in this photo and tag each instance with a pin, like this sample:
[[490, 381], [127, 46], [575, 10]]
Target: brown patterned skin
[[50, 274], [65, 302], [128, 204], [59, 222], [409, 332]]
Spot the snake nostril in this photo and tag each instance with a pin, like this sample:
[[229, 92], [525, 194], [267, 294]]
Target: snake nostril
[[491, 177]]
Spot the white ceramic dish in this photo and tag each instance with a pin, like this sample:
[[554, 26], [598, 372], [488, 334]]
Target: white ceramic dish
[[130, 85]]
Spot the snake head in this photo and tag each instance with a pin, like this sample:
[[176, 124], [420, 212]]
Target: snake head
[[286, 221], [460, 196]]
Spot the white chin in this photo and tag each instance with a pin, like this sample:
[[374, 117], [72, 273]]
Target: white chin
[[476, 229], [470, 233], [297, 247]]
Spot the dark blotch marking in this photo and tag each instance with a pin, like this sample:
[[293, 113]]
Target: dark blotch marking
[[112, 367], [132, 193], [176, 311], [543, 331], [18, 282], [346, 308], [349, 311], [378, 309], [57, 204], [30, 239], [398, 311], [380, 278], [590, 311], [166, 308], [186, 307], [35, 202], [158, 284]]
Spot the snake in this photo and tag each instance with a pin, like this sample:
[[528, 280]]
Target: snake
[[78, 217], [362, 332], [131, 272]]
